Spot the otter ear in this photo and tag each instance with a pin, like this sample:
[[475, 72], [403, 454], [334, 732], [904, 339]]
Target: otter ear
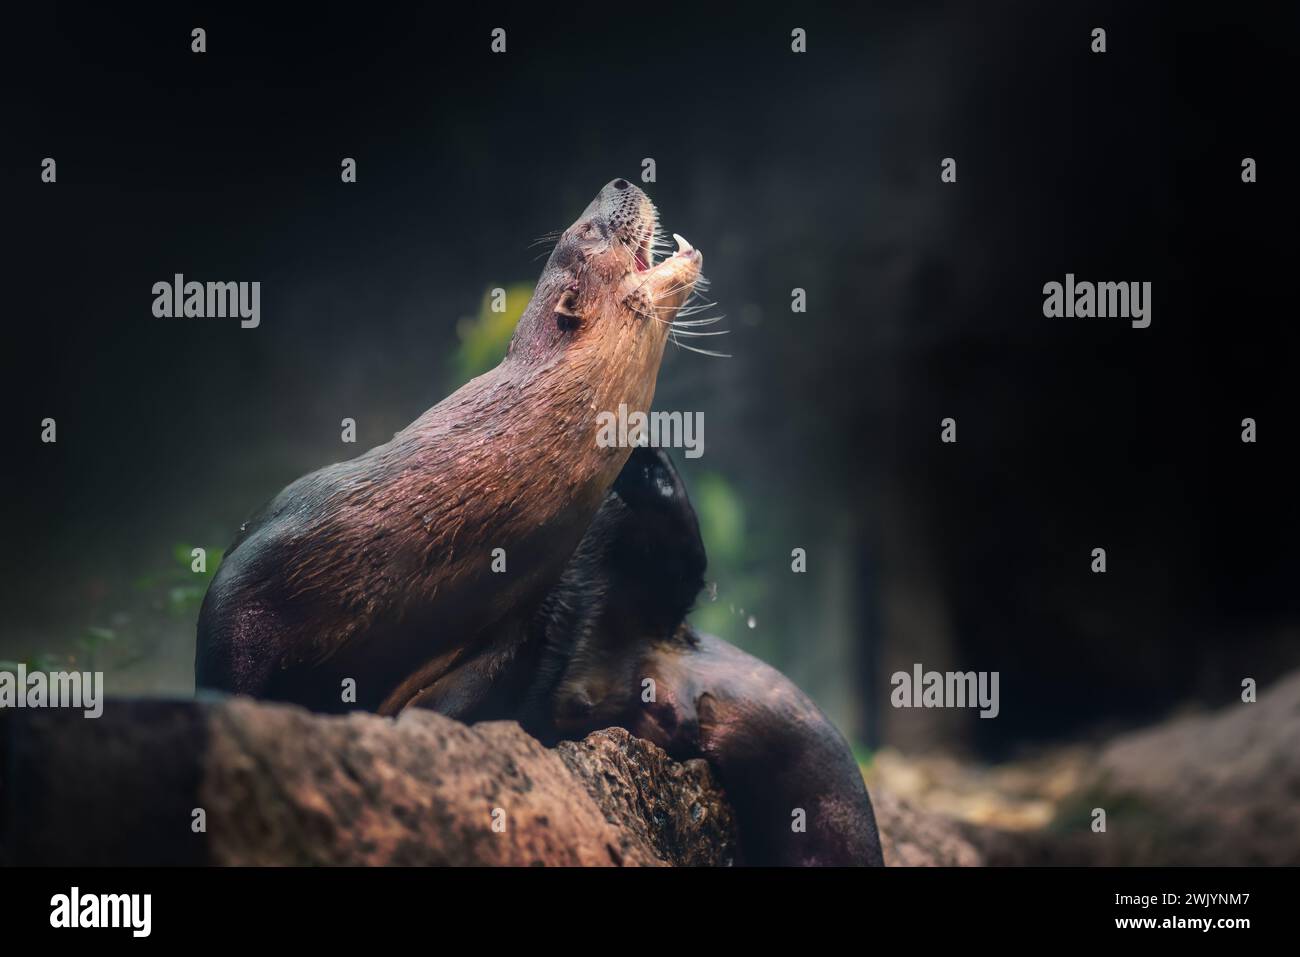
[[566, 310]]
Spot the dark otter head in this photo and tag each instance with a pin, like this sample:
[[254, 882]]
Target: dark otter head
[[602, 296], [629, 586]]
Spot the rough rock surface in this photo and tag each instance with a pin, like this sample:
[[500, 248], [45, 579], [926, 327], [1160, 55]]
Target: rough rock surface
[[674, 808], [912, 837], [1218, 788], [279, 785]]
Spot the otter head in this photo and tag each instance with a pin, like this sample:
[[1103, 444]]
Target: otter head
[[630, 588], [603, 300]]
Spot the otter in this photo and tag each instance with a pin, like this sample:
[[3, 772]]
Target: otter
[[378, 569], [614, 633]]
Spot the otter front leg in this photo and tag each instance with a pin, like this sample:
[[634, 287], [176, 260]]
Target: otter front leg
[[473, 683], [791, 778]]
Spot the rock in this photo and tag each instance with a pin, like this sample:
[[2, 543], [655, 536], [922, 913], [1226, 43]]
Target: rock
[[912, 837], [1217, 788], [279, 785], [676, 809]]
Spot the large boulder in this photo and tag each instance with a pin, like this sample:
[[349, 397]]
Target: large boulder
[[232, 781]]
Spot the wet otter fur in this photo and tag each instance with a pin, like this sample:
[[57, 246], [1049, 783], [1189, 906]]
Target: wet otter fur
[[378, 570]]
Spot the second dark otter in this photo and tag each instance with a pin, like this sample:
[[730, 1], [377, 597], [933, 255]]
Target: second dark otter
[[618, 651]]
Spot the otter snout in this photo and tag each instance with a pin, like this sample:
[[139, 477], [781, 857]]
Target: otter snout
[[626, 213]]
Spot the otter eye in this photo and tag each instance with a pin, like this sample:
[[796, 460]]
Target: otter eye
[[566, 310]]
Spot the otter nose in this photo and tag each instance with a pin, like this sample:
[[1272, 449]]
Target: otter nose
[[620, 191], [622, 202]]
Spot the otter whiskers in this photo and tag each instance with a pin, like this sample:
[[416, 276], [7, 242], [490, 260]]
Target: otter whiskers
[[684, 326]]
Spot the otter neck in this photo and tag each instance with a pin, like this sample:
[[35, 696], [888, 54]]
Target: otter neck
[[559, 400], [512, 458]]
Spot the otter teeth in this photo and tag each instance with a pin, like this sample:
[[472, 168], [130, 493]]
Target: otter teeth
[[682, 245]]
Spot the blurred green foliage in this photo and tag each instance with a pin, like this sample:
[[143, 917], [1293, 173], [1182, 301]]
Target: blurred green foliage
[[722, 518], [730, 607], [177, 587], [91, 641], [863, 755], [35, 663], [484, 338], [175, 590]]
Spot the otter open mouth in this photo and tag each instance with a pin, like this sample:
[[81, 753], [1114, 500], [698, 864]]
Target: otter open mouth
[[644, 255]]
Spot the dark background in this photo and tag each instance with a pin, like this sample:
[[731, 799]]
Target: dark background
[[819, 171]]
